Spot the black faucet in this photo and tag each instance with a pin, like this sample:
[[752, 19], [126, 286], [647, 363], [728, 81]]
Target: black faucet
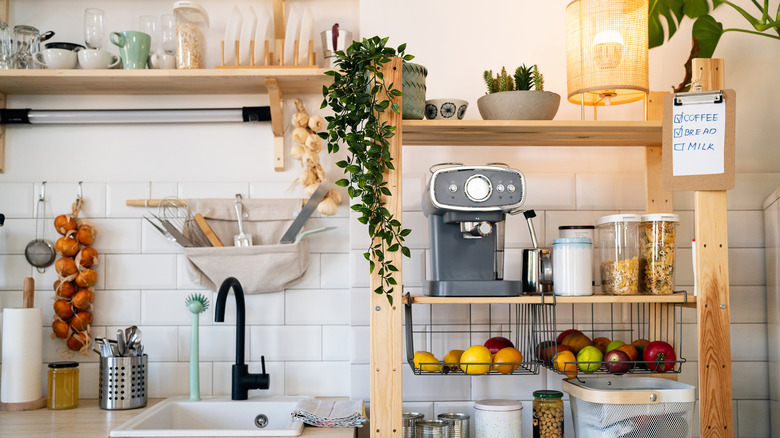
[[243, 381]]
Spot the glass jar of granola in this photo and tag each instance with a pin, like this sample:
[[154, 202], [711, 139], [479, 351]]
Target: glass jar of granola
[[619, 251], [192, 22], [657, 242]]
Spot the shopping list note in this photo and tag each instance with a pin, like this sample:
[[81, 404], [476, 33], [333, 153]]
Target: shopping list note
[[698, 139]]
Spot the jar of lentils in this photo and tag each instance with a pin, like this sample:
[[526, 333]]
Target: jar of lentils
[[548, 414]]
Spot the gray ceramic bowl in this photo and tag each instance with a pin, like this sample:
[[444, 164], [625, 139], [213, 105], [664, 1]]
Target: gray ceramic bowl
[[519, 105], [445, 109]]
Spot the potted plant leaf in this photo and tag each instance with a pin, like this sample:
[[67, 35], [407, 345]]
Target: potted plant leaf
[[358, 95], [517, 97]]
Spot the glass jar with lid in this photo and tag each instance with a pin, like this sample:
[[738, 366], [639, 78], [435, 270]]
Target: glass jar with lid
[[619, 251], [657, 243], [548, 414], [192, 22], [63, 389]]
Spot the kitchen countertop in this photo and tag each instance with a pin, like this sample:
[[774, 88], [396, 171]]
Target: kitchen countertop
[[89, 421]]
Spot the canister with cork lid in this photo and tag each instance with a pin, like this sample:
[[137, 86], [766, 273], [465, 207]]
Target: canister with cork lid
[[498, 418]]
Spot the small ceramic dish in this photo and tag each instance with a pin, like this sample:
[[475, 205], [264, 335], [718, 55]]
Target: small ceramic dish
[[445, 109], [65, 46]]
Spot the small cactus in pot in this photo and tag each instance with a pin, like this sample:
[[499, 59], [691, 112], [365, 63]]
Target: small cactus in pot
[[517, 97]]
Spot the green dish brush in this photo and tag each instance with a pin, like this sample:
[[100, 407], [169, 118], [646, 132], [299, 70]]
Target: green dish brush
[[197, 304]]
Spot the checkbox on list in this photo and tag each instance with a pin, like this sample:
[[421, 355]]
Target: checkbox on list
[[679, 146], [678, 118], [678, 133]]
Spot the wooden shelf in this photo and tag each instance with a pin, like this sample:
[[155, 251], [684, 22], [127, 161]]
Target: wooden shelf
[[677, 298], [162, 82], [531, 133]]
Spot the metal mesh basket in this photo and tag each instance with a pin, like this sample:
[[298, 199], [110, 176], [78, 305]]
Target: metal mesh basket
[[123, 382], [633, 407]]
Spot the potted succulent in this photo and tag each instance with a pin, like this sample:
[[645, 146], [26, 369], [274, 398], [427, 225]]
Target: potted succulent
[[518, 97]]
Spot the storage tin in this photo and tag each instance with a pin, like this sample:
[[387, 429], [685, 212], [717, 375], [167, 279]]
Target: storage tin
[[585, 231], [619, 253], [410, 419], [457, 424], [497, 418], [573, 266], [63, 389], [657, 244], [431, 429]]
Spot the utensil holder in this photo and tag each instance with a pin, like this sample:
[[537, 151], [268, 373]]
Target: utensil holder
[[123, 383]]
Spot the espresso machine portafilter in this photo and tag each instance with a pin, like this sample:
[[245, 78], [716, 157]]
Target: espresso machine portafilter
[[466, 208]]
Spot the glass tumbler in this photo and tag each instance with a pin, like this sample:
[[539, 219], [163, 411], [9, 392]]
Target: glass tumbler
[[6, 49], [94, 34], [168, 33], [27, 41], [150, 25]]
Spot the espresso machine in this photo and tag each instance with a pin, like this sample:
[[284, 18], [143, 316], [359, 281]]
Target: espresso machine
[[466, 207]]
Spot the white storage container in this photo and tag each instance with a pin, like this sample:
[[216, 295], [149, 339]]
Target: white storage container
[[497, 418], [573, 266]]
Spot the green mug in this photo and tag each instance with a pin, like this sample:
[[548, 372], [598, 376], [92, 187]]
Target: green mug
[[133, 48]]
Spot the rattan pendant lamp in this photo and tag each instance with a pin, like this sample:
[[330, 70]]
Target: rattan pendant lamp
[[606, 52]]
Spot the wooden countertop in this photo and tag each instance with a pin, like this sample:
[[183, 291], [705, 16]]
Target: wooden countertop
[[89, 421]]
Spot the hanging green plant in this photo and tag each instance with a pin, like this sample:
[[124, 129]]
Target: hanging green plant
[[358, 95]]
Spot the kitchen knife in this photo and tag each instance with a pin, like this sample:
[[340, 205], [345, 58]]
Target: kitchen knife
[[180, 239], [306, 211]]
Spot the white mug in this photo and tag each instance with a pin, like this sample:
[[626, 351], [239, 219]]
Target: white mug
[[92, 59], [162, 61], [56, 58]]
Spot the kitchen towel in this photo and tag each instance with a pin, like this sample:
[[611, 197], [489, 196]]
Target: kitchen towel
[[323, 413], [22, 355]]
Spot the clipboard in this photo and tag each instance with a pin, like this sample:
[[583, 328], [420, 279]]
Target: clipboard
[[698, 138]]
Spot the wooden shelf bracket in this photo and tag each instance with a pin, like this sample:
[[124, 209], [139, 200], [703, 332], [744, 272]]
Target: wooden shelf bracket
[[277, 121]]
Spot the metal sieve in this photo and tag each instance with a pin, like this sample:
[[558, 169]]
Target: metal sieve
[[40, 252]]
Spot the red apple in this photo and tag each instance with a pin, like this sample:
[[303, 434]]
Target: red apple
[[497, 343], [617, 362], [566, 333]]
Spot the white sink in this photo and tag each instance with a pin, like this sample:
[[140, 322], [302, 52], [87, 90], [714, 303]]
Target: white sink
[[214, 416]]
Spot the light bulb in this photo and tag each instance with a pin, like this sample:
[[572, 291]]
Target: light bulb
[[607, 49]]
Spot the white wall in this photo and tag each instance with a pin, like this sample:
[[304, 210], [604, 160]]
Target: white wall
[[315, 336]]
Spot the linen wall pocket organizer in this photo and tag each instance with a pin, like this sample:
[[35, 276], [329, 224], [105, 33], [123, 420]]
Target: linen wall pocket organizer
[[267, 266]]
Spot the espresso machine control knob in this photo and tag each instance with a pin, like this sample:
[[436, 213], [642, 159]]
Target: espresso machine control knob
[[475, 230], [484, 228], [478, 188]]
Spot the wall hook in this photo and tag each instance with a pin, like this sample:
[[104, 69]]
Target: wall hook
[[42, 197], [81, 190]]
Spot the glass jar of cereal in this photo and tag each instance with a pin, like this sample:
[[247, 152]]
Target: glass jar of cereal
[[657, 242], [619, 249], [192, 22]]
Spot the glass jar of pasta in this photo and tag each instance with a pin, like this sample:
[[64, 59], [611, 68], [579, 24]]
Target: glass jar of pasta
[[192, 22], [657, 244], [619, 250]]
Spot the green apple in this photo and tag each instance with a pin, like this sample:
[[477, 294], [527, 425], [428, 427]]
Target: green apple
[[614, 344], [589, 359]]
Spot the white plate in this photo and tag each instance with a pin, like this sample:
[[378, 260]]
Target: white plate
[[247, 33], [291, 34], [307, 29], [231, 35], [264, 32]]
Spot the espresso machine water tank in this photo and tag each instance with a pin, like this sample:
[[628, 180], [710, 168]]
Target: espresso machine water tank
[[466, 207]]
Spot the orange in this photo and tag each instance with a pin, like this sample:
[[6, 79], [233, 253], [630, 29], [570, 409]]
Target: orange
[[565, 362], [631, 351], [509, 355], [601, 343], [476, 360]]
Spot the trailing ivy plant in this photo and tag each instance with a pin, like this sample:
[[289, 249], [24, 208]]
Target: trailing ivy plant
[[358, 95]]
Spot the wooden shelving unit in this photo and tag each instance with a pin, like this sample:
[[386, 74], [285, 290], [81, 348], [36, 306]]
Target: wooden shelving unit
[[677, 298]]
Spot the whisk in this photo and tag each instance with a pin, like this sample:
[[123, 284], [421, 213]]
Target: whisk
[[178, 214]]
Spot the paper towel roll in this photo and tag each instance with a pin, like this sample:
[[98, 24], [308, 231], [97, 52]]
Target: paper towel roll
[[22, 356]]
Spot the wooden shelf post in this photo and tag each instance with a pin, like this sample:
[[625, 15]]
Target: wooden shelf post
[[386, 330], [712, 278], [4, 17], [276, 102]]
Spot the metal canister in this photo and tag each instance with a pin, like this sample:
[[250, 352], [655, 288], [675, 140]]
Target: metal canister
[[496, 418], [410, 419], [458, 424], [430, 429]]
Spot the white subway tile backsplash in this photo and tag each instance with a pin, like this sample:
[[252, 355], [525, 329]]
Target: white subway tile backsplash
[[359, 269], [360, 339], [16, 234], [183, 280], [412, 189], [60, 198], [360, 385], [334, 271], [358, 233], [324, 379], [550, 191], [217, 343], [223, 376], [130, 271], [331, 241], [746, 229], [285, 343], [225, 190], [308, 307], [756, 349], [267, 308], [161, 343], [275, 190], [117, 307], [424, 388], [18, 200], [414, 269], [13, 270], [751, 189], [336, 342], [747, 304], [89, 380], [749, 380], [167, 379], [554, 219], [166, 307], [754, 418], [747, 267], [310, 279], [117, 193], [418, 223], [616, 191], [153, 242], [360, 306], [118, 236]]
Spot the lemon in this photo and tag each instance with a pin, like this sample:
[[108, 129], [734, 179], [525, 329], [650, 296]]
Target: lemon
[[452, 358], [426, 361], [477, 358]]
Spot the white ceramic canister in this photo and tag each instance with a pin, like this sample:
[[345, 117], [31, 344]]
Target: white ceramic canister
[[573, 266], [496, 418], [585, 231]]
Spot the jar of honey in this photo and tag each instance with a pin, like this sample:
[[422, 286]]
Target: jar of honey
[[63, 389]]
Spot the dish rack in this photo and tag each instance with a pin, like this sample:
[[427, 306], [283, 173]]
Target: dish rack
[[626, 322], [520, 323]]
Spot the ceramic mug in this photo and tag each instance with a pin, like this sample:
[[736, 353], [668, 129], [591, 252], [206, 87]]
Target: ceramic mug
[[133, 48], [92, 59], [56, 58], [162, 61]]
